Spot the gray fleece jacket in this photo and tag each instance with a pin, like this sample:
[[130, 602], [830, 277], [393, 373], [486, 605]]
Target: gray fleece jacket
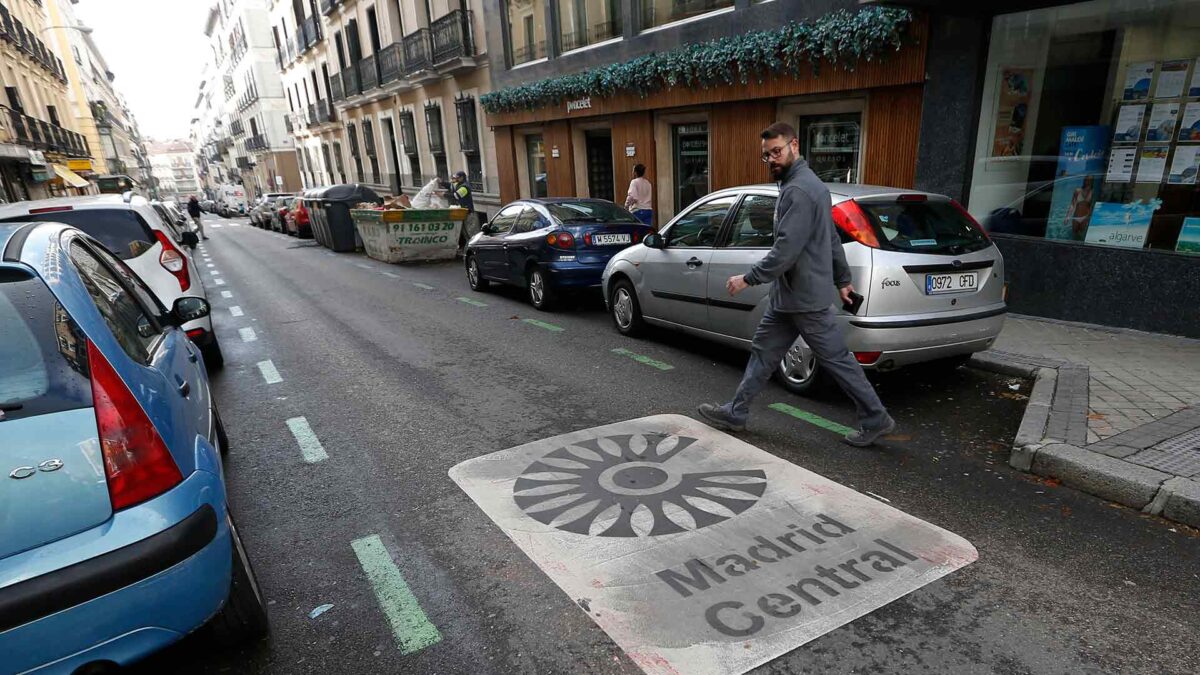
[[807, 262]]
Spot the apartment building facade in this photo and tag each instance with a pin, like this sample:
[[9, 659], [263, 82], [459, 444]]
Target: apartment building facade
[[173, 169], [38, 136], [387, 93]]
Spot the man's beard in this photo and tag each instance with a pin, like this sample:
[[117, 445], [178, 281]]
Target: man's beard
[[779, 171]]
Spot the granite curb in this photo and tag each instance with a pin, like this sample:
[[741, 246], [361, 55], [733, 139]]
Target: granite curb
[[1052, 441]]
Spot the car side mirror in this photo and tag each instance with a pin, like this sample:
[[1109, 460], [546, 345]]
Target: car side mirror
[[189, 239], [654, 240], [189, 309], [488, 228]]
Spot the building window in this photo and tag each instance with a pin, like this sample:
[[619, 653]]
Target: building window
[[830, 144], [468, 140], [535, 153], [659, 12], [691, 162], [408, 138], [586, 22], [337, 159], [437, 141], [325, 162], [368, 130], [352, 137], [526, 30], [1089, 126]]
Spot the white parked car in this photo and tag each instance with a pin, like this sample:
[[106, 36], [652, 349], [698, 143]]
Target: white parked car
[[133, 230]]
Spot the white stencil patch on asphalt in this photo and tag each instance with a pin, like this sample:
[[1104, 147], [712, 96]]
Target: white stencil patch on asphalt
[[697, 552]]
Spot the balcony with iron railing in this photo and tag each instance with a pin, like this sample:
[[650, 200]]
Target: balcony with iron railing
[[258, 142], [311, 31], [451, 36], [335, 88], [243, 162], [327, 6], [287, 124], [21, 129], [15, 33], [391, 63], [351, 82], [312, 115], [236, 128], [368, 73], [590, 36], [418, 52], [325, 111]]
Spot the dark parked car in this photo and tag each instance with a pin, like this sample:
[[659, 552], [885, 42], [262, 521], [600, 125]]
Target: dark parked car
[[550, 245]]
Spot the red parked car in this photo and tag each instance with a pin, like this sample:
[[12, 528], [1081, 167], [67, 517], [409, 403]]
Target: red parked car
[[298, 222]]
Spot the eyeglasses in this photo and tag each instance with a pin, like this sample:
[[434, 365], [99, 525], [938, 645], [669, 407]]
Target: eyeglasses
[[774, 153]]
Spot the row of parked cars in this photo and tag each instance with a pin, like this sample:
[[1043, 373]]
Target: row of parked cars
[[932, 282], [116, 536], [282, 212]]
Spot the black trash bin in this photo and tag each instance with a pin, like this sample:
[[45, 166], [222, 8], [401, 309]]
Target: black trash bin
[[330, 213]]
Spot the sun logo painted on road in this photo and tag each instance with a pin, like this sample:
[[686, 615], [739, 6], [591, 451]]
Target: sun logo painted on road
[[626, 486]]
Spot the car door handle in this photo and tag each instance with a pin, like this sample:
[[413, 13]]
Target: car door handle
[[184, 388], [191, 355], [694, 263]]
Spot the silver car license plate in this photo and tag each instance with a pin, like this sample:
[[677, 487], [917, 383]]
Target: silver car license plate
[[957, 282], [603, 239]]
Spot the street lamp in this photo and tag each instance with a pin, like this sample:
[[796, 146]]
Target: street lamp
[[82, 29]]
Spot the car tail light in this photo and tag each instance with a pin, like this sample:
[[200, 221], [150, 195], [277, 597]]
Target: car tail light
[[173, 261], [587, 239], [867, 358], [136, 461], [196, 333], [849, 218], [912, 197], [561, 240], [636, 236], [967, 214], [51, 209]]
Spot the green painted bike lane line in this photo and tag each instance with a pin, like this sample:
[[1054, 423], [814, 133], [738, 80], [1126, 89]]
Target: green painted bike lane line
[[410, 626], [654, 363], [542, 324], [473, 303], [811, 418]]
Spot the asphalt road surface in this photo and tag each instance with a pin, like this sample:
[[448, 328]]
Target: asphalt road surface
[[398, 379]]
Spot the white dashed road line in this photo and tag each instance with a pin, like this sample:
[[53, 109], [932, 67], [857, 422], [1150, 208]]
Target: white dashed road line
[[248, 334], [219, 281], [226, 294], [269, 372], [236, 311], [310, 445], [390, 275]]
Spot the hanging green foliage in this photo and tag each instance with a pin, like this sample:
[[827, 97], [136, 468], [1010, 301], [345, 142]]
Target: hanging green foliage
[[841, 38]]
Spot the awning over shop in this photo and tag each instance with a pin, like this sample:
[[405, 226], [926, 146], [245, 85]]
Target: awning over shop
[[69, 177]]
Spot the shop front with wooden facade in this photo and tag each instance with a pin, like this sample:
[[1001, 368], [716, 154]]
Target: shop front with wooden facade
[[858, 121]]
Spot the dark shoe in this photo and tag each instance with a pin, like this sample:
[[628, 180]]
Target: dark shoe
[[866, 437], [716, 416]]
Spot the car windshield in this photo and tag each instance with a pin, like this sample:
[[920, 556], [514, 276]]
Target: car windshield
[[590, 212], [924, 227], [122, 231], [43, 353]]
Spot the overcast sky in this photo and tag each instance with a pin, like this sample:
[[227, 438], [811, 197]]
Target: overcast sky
[[156, 49]]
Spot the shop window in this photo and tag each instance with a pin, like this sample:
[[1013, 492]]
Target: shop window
[[586, 22], [691, 163], [660, 12], [831, 145], [1090, 126], [535, 153], [526, 30]]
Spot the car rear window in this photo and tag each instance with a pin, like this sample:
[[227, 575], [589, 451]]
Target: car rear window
[[924, 227], [122, 231], [43, 353], [590, 212]]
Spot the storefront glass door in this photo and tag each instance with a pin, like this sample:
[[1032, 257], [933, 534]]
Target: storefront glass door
[[535, 151], [691, 163], [600, 164]]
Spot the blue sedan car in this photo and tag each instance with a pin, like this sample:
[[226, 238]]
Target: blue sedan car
[[549, 246], [115, 535]]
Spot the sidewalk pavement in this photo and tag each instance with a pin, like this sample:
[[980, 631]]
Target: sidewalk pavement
[[1113, 412]]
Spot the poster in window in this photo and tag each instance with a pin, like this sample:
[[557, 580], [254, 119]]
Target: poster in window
[[1012, 109], [1137, 81], [1152, 163], [1190, 129], [1162, 122], [1194, 87], [1184, 165], [1129, 124], [1189, 236], [1120, 165], [1172, 75], [1076, 181], [1125, 225]]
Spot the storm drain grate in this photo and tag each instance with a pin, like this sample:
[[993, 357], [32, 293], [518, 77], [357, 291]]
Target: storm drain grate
[[1179, 455], [1182, 442]]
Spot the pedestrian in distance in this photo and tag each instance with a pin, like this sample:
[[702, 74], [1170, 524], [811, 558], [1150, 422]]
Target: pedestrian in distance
[[805, 266], [462, 197], [638, 198], [193, 208]]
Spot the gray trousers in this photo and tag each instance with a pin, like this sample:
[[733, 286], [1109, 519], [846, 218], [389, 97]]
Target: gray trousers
[[775, 335]]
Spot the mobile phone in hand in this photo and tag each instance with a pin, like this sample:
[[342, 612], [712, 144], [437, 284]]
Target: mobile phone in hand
[[856, 301]]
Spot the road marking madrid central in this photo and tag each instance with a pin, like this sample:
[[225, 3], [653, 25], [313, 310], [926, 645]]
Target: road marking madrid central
[[543, 324], [409, 624], [389, 274], [226, 294], [643, 359], [424, 287], [811, 418], [269, 372], [248, 334], [365, 267], [220, 282], [310, 445], [473, 303], [236, 311]]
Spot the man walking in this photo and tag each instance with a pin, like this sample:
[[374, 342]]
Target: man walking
[[193, 208], [460, 196], [804, 263]]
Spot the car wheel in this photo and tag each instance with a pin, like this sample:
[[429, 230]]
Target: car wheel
[[244, 616], [626, 312], [474, 276], [222, 436], [799, 371], [541, 293], [214, 360]]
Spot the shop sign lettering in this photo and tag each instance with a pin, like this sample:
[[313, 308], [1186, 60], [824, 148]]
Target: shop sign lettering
[[579, 104]]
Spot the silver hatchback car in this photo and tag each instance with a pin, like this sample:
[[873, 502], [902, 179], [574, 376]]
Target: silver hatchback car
[[933, 284]]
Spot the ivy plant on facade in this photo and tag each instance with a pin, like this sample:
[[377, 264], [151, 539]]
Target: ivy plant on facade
[[841, 39]]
